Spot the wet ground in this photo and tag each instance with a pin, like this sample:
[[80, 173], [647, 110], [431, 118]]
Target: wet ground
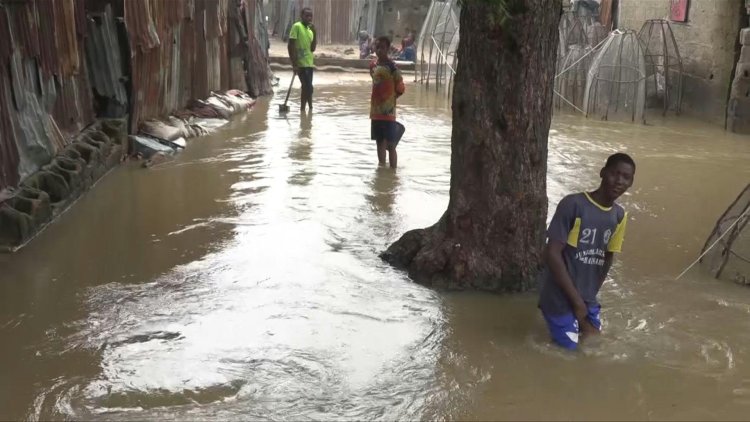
[[242, 281]]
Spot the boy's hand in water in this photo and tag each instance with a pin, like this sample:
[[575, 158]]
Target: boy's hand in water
[[585, 327]]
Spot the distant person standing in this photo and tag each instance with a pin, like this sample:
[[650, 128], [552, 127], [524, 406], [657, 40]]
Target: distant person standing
[[387, 86], [302, 44]]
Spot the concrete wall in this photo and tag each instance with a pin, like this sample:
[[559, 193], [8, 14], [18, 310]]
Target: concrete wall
[[708, 46], [738, 111], [397, 17]]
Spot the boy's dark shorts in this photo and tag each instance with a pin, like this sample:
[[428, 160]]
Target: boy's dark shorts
[[391, 131], [306, 77]]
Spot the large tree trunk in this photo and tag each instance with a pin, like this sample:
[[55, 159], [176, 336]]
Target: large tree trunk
[[492, 234]]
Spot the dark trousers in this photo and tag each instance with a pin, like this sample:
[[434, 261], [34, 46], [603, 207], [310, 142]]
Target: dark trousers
[[306, 78]]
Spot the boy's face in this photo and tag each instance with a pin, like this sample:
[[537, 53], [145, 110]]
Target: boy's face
[[307, 17], [381, 49], [617, 179]]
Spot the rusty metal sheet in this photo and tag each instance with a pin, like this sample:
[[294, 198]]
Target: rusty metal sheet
[[6, 36], [335, 20], [224, 15], [250, 7], [188, 9], [211, 19], [342, 13], [187, 58], [80, 17], [191, 59], [213, 53], [605, 14], [322, 15], [9, 158], [200, 69], [224, 64], [145, 66], [141, 30], [73, 108], [65, 35], [103, 57], [26, 29], [32, 108], [236, 46], [49, 58], [45, 93], [258, 78], [237, 73], [31, 128], [172, 74]]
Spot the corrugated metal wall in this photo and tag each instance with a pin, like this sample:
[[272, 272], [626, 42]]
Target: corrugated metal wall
[[335, 20], [44, 89], [104, 62], [179, 51], [167, 39], [252, 35]]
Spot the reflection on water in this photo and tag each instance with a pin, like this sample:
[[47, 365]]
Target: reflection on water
[[385, 184], [242, 281]]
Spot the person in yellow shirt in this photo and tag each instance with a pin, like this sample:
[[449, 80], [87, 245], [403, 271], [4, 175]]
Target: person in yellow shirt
[[302, 44]]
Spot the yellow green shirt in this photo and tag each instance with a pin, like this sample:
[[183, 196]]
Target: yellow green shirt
[[303, 37]]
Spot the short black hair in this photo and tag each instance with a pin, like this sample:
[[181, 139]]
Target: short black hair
[[309, 9], [619, 157], [384, 39]]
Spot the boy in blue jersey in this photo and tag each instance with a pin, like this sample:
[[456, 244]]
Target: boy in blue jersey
[[585, 232]]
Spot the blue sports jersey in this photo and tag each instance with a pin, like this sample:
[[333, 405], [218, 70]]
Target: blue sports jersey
[[588, 230]]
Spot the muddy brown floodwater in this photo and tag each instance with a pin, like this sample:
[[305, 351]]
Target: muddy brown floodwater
[[241, 280]]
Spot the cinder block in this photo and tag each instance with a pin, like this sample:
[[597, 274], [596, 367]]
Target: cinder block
[[740, 89], [16, 227], [738, 115], [745, 54], [742, 71], [745, 36], [53, 184]]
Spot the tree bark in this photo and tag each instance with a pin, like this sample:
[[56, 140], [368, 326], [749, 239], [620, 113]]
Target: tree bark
[[492, 234]]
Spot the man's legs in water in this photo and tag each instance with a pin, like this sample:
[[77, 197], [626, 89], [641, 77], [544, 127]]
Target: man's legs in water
[[392, 155], [306, 78], [382, 151]]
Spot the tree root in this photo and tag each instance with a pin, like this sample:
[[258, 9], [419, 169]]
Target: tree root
[[433, 259]]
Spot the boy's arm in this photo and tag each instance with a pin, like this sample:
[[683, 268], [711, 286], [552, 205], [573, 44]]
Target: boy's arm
[[553, 255], [292, 48], [399, 83], [609, 257], [615, 245], [314, 43]]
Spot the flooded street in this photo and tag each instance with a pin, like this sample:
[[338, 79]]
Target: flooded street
[[241, 280]]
